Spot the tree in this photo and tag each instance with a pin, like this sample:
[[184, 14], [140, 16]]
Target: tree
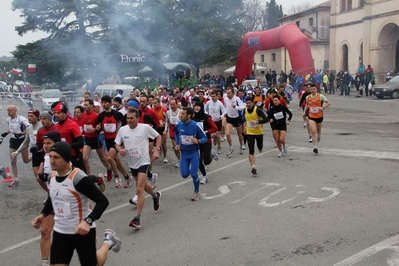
[[298, 7], [254, 15], [274, 12]]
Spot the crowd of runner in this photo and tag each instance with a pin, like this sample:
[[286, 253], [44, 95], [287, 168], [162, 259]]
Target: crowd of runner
[[137, 127]]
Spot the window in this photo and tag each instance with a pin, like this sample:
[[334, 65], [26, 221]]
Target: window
[[343, 5], [262, 58], [310, 21], [349, 5], [298, 24], [273, 57], [361, 3], [346, 5]]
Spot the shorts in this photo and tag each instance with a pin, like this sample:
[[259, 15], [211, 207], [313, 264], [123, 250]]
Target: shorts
[[93, 143], [219, 125], [236, 122], [142, 169], [160, 130], [317, 120], [15, 143], [110, 143], [63, 246], [279, 126], [37, 158], [172, 131]]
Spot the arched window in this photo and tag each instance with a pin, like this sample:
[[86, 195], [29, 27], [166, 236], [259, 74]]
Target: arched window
[[345, 57]]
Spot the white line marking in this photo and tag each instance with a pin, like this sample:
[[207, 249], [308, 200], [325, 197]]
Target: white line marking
[[386, 244], [350, 153], [265, 185], [33, 239]]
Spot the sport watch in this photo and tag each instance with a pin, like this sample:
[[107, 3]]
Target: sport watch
[[89, 220]]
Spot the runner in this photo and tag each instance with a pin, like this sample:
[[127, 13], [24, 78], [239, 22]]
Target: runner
[[70, 192], [160, 111], [188, 135], [109, 121], [172, 118], [17, 125], [254, 117], [209, 127], [233, 105], [314, 108], [216, 110], [135, 137], [302, 103], [278, 120]]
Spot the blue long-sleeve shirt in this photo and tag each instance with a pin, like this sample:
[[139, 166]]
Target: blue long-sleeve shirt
[[184, 132]]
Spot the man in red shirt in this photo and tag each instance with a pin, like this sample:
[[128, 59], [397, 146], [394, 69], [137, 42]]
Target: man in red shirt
[[91, 137], [70, 133], [78, 118]]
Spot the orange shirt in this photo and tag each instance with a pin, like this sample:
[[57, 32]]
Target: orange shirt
[[160, 112]]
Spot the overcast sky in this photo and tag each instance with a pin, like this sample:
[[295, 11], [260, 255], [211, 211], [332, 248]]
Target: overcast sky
[[9, 19]]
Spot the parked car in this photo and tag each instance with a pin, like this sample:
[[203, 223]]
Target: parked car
[[49, 97], [391, 89], [110, 89]]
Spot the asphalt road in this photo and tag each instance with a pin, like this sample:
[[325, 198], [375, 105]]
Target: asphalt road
[[335, 208]]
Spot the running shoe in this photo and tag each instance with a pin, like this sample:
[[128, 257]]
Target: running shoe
[[128, 182], [154, 180], [165, 160], [244, 147], [214, 141], [177, 165], [275, 145], [285, 148], [230, 152], [219, 150], [109, 234], [304, 124], [109, 175], [310, 139], [315, 150], [117, 182], [241, 148], [14, 183], [204, 180], [134, 200], [101, 182], [253, 170], [135, 223], [196, 196], [3, 172], [223, 138], [318, 138], [260, 150], [214, 155], [157, 201], [280, 154]]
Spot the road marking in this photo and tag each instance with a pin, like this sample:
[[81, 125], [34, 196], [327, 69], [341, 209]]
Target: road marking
[[350, 153], [37, 238], [386, 244]]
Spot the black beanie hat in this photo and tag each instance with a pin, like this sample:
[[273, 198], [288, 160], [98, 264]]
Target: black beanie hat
[[54, 135], [63, 149], [106, 98]]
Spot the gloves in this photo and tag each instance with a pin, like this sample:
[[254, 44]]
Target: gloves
[[4, 134], [33, 149], [43, 177], [14, 154]]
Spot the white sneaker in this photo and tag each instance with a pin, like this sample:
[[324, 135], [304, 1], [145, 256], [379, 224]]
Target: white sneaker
[[117, 182], [304, 124], [310, 139], [318, 138], [177, 165], [280, 154], [204, 180], [244, 147], [134, 200], [165, 160], [285, 149], [154, 180], [241, 148], [109, 234]]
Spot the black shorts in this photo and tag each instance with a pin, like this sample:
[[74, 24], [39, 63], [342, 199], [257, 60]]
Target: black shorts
[[219, 125], [143, 169], [160, 130], [110, 143], [236, 122], [37, 158], [317, 120], [251, 143], [94, 143], [15, 143], [63, 246], [279, 126]]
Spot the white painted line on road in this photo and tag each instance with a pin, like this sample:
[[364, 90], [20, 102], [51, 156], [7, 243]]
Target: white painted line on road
[[29, 241], [350, 153], [386, 244]]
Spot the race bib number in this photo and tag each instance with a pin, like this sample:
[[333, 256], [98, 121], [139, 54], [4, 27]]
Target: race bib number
[[251, 124], [32, 138], [314, 110], [186, 140], [215, 111], [62, 209], [13, 129], [134, 153], [109, 128], [231, 112], [173, 121], [87, 127], [279, 115]]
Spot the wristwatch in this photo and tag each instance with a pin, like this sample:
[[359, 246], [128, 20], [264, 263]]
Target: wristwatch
[[89, 220]]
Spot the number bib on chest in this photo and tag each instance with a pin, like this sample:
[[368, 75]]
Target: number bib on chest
[[314, 110], [109, 128], [186, 140], [134, 153], [279, 115], [62, 209]]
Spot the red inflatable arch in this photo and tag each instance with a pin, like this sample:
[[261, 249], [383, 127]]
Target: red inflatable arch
[[287, 35]]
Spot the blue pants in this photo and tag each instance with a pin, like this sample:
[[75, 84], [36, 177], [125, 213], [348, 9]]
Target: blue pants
[[186, 160]]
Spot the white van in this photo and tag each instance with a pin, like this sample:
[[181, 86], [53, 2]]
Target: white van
[[110, 89]]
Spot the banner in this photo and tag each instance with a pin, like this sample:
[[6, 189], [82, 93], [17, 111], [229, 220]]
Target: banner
[[27, 101], [16, 71]]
